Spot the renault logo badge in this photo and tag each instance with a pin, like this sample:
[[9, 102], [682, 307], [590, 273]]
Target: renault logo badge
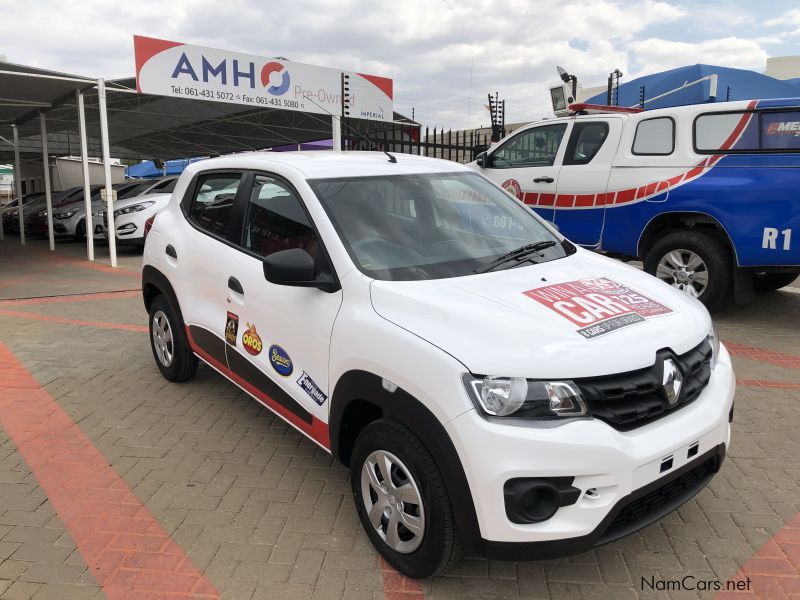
[[672, 381]]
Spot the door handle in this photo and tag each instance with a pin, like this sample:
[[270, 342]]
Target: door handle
[[234, 285], [543, 180], [170, 250]]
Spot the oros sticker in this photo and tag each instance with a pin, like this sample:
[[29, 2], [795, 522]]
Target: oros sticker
[[597, 305], [252, 341]]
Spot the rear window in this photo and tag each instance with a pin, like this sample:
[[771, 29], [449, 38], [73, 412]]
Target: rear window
[[654, 137], [748, 131]]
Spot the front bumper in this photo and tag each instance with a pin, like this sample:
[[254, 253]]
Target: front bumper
[[617, 466]]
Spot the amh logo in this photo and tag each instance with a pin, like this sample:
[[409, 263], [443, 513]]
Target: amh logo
[[269, 81]]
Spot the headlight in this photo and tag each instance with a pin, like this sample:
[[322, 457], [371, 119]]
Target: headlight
[[713, 339], [41, 213], [133, 208], [64, 215], [522, 398]]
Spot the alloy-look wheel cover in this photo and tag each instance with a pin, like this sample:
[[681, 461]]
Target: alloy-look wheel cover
[[162, 339], [685, 270], [393, 501]]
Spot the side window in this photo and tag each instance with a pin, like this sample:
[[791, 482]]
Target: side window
[[585, 142], [165, 186], [780, 130], [536, 147], [212, 205], [654, 137], [714, 132], [275, 219]]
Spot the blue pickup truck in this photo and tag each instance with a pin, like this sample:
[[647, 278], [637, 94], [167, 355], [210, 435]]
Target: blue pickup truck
[[706, 195]]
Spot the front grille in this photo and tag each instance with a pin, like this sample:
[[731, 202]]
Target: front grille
[[664, 499], [629, 400]]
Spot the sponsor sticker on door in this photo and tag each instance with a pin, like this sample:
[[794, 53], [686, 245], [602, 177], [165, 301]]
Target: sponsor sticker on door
[[598, 305], [252, 341], [231, 328]]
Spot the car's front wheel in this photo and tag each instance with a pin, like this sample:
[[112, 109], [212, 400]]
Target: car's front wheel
[[402, 500], [168, 341]]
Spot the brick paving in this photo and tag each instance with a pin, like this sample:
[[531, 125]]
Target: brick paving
[[263, 513]]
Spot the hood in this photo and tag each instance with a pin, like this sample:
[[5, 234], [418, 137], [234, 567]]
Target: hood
[[581, 316]]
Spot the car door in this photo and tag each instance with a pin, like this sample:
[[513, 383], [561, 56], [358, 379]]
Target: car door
[[282, 346], [527, 165], [583, 179], [206, 254]]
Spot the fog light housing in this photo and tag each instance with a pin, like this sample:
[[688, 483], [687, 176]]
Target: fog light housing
[[537, 499]]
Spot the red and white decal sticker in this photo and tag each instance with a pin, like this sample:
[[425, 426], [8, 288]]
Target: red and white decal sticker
[[597, 305], [513, 187]]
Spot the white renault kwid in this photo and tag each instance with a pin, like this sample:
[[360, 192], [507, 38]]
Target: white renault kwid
[[494, 389]]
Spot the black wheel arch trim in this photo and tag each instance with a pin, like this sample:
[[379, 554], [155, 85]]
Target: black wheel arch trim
[[359, 385], [679, 213], [152, 277]]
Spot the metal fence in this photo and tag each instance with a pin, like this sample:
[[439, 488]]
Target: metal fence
[[459, 146]]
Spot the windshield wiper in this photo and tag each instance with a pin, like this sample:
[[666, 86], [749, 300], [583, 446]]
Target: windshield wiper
[[519, 255]]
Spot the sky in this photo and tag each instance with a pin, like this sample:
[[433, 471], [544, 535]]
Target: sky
[[445, 56]]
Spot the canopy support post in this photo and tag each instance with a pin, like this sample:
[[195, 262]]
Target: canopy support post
[[18, 186], [337, 133], [48, 195], [112, 232], [87, 197]]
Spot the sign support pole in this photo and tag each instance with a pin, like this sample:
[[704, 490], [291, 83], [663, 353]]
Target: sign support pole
[[87, 198], [18, 185], [48, 195], [337, 133], [112, 232]]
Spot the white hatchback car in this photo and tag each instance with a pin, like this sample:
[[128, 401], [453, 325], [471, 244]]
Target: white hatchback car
[[493, 388]]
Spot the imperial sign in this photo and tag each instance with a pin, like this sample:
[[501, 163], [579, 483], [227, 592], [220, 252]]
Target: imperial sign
[[173, 69]]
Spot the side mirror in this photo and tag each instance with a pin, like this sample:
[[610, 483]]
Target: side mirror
[[295, 267], [483, 160]]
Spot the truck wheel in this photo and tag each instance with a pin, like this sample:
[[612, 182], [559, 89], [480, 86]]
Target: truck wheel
[[769, 282], [168, 341], [402, 501], [696, 263]]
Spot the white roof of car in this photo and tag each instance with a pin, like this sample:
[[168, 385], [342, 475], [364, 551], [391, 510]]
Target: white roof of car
[[317, 164]]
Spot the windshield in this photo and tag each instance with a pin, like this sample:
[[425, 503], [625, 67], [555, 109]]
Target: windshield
[[430, 226]]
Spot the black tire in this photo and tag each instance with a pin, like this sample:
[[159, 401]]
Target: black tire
[[769, 282], [439, 548], [183, 363], [714, 254], [80, 231]]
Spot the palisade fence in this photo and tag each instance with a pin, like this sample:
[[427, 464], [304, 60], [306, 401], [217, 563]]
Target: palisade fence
[[459, 146]]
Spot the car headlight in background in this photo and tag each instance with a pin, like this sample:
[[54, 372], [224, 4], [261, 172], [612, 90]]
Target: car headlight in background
[[713, 339], [63, 215], [41, 213], [522, 398], [133, 208]]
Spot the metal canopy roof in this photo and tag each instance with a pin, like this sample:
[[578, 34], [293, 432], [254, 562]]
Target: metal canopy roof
[[143, 126]]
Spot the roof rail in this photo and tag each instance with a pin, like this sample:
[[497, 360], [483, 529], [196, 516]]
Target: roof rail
[[591, 109]]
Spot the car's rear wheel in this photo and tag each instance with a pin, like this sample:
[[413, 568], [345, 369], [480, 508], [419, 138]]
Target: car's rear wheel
[[402, 500], [769, 282], [169, 343], [694, 262]]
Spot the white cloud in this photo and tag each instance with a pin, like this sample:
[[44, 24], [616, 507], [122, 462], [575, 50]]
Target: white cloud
[[653, 55]]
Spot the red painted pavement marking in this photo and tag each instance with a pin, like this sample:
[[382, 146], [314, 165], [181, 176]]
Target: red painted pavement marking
[[72, 298], [397, 586], [65, 321], [774, 571], [785, 385], [126, 549], [789, 361]]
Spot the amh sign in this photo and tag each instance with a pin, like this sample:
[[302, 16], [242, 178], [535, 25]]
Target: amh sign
[[179, 70]]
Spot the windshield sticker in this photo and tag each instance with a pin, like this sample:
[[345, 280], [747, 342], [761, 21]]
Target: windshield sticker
[[598, 305], [312, 389], [231, 328], [252, 341]]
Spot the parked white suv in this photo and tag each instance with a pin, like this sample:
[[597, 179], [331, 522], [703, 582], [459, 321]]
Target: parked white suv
[[493, 390]]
